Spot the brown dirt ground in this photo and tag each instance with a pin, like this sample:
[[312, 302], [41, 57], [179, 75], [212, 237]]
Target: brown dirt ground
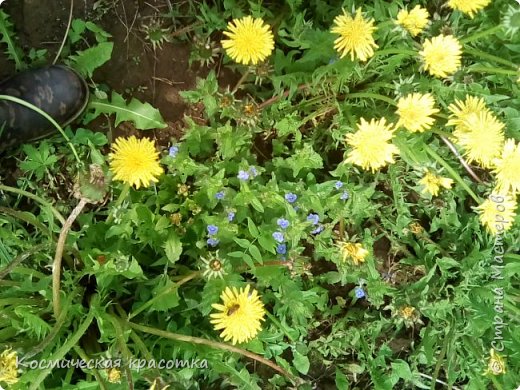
[[135, 68]]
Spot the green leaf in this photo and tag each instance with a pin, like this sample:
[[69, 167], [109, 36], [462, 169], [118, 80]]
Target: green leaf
[[341, 380], [256, 254], [301, 362], [253, 230], [86, 61], [143, 115], [173, 248], [7, 33], [305, 158]]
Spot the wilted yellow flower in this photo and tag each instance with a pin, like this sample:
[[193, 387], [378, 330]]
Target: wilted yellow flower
[[507, 168], [432, 183], [135, 161], [469, 7], [213, 267], [441, 55], [415, 111], [240, 314], [371, 145], [114, 375], [497, 211], [8, 368], [250, 40], [355, 36], [414, 21], [407, 312], [496, 364], [353, 251], [482, 137], [461, 110]]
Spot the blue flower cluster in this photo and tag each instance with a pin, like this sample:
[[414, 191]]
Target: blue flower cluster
[[212, 231], [246, 175], [345, 195]]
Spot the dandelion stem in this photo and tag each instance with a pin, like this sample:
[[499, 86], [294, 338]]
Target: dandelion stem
[[483, 69], [489, 57], [241, 81], [38, 199], [46, 116], [481, 34], [395, 51], [452, 172], [56, 265], [212, 344], [371, 95], [461, 159]]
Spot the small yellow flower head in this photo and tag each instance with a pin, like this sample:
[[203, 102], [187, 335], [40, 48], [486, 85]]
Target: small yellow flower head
[[497, 213], [461, 110], [469, 7], [507, 168], [371, 145], [114, 375], [432, 183], [482, 137], [135, 161], [414, 21], [407, 312], [240, 315], [353, 251], [415, 111], [250, 40], [441, 55], [496, 364], [355, 36], [8, 368]]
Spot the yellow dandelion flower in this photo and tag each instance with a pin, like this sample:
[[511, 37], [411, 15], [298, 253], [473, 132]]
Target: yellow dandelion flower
[[371, 147], [415, 111], [114, 375], [135, 161], [482, 137], [432, 183], [8, 367], [496, 364], [240, 315], [469, 7], [250, 40], [461, 110], [414, 21], [355, 36], [441, 55], [497, 213], [353, 251], [507, 168]]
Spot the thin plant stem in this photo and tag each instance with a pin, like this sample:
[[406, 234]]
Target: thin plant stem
[[38, 199], [66, 33], [46, 116], [166, 291], [371, 95], [241, 81], [280, 326], [481, 34], [461, 159], [212, 344], [395, 51], [20, 258], [484, 69], [489, 57], [56, 265], [82, 354], [452, 172]]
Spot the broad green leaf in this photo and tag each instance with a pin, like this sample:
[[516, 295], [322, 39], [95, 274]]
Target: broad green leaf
[[301, 362], [143, 115], [87, 61], [173, 248]]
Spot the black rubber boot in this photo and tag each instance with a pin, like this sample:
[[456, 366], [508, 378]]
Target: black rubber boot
[[57, 90]]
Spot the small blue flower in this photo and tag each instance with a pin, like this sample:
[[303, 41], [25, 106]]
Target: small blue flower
[[290, 197], [314, 218], [173, 151], [212, 241], [283, 223], [281, 249], [219, 195], [231, 216], [243, 175], [344, 195], [360, 293], [338, 185], [212, 230], [278, 236], [318, 230], [253, 171]]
